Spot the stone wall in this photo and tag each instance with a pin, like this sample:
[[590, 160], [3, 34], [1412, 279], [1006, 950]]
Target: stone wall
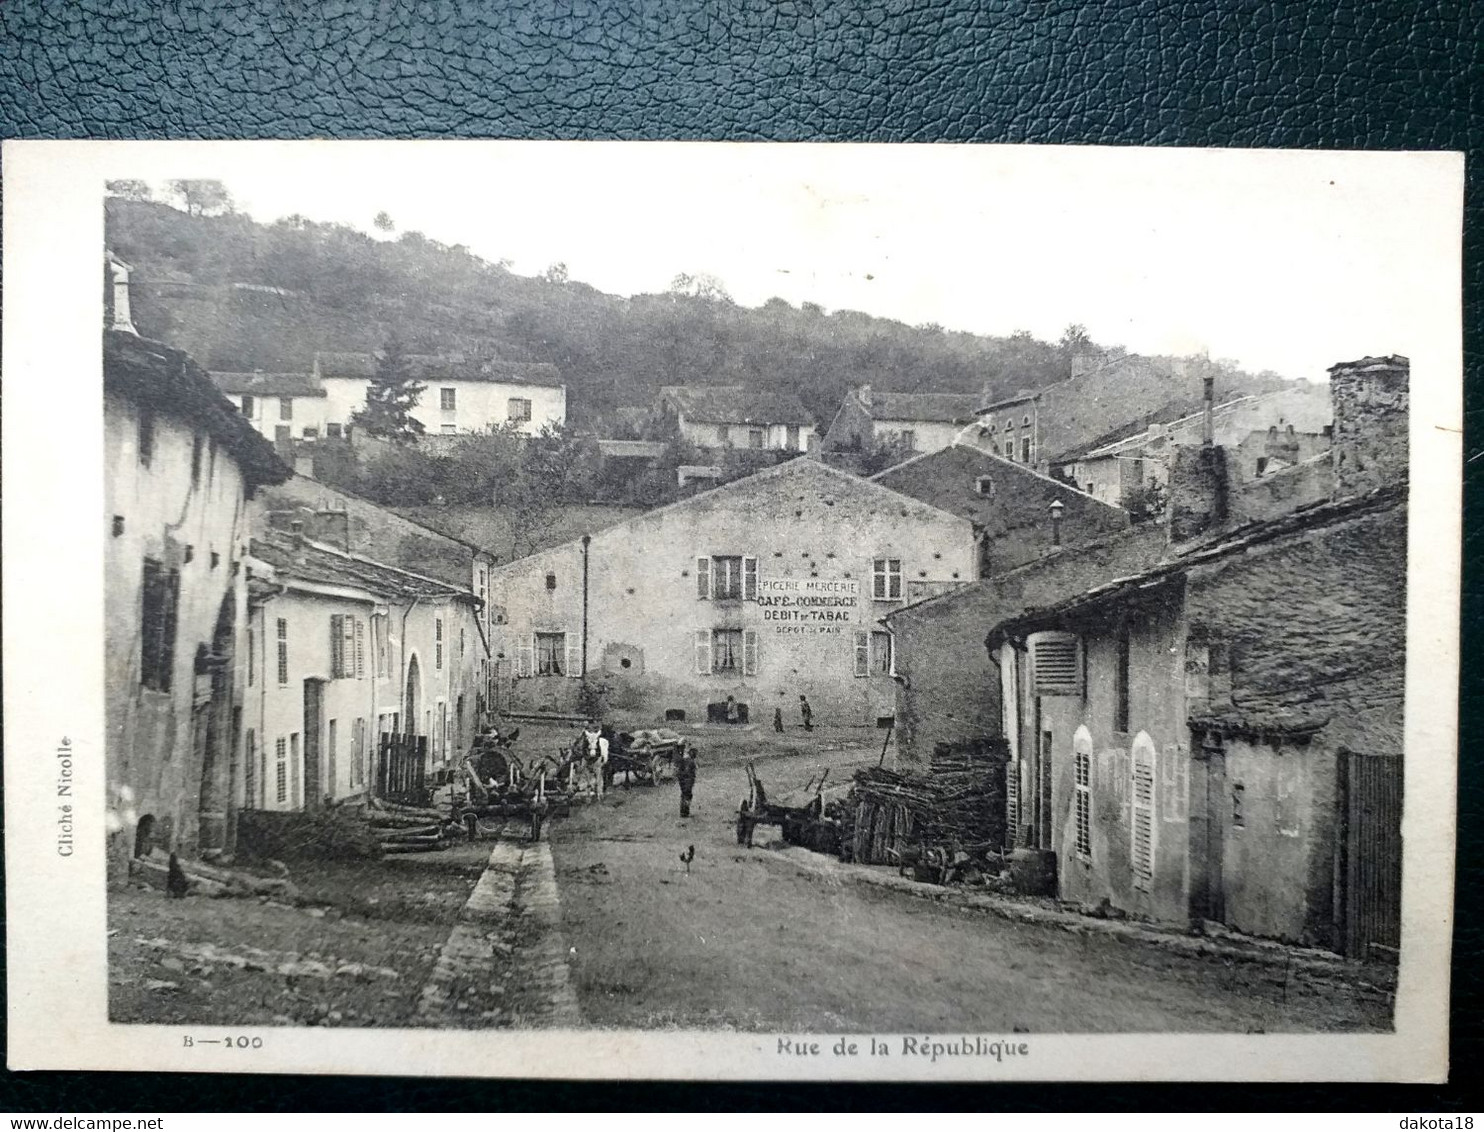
[[1371, 403]]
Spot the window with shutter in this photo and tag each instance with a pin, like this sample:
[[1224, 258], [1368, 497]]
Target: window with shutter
[[1142, 827], [360, 636], [1056, 664], [551, 654], [160, 593], [703, 652], [337, 655], [525, 660], [281, 771], [749, 579], [438, 644], [749, 652], [283, 650], [574, 659], [863, 654], [1082, 772], [703, 578], [1012, 804]]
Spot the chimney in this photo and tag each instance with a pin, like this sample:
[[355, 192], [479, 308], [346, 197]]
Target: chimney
[[1371, 404], [296, 527], [1057, 507], [117, 315], [1198, 491]]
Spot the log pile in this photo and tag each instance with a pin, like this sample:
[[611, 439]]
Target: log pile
[[959, 802]]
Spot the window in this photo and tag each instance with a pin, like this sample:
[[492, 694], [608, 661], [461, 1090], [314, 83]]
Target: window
[[250, 769], [446, 399], [160, 601], [757, 438], [461, 642], [360, 648], [1120, 682], [1083, 793], [281, 771], [1025, 421], [1142, 831], [1009, 424], [448, 429], [345, 646], [283, 651], [247, 405], [311, 432], [437, 643], [909, 439], [519, 408], [1056, 664], [196, 447], [551, 654], [726, 650], [886, 579], [551, 581], [985, 485], [726, 578], [1025, 450], [334, 431], [1239, 816], [873, 653], [146, 435], [791, 437], [285, 408]]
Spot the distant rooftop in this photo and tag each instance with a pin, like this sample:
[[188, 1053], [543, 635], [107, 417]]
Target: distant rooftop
[[945, 408], [313, 562], [262, 384], [734, 404], [437, 367]]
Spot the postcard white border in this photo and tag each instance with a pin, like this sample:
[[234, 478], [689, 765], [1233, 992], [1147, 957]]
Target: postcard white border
[[53, 572]]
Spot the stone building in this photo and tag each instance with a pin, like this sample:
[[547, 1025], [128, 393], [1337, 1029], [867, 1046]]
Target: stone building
[[281, 406], [927, 422], [179, 464], [459, 395], [731, 416], [341, 650], [764, 589], [1218, 736]]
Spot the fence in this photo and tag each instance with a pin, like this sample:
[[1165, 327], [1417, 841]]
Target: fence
[[402, 769]]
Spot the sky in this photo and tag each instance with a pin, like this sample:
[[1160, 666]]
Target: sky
[[1282, 260]]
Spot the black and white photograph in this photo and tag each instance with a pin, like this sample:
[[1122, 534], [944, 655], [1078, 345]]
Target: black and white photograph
[[733, 610]]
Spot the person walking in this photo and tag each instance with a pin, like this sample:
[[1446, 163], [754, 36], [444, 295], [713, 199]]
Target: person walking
[[685, 774], [807, 712], [778, 720]]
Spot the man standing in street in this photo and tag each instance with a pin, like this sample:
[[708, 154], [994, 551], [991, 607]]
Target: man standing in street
[[807, 712], [685, 774]]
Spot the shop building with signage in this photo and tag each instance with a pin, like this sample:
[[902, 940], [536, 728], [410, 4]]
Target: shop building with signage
[[766, 589]]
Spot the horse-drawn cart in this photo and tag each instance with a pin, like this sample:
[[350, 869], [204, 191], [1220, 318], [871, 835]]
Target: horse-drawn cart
[[795, 821], [644, 757]]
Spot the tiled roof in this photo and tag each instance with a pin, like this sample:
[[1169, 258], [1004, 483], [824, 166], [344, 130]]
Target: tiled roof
[[262, 384], [165, 379], [312, 562], [945, 408], [733, 404], [434, 367]]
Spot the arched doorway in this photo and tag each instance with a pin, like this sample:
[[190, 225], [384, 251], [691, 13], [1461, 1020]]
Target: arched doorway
[[412, 697]]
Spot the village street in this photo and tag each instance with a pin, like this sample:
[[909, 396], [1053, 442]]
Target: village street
[[747, 940]]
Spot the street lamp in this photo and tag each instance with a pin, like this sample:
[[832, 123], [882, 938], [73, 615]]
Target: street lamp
[[1056, 508]]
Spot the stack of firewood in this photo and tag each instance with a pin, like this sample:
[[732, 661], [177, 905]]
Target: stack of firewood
[[960, 802]]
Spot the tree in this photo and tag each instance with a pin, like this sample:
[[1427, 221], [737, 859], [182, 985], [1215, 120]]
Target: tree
[[701, 286], [202, 198], [556, 273], [391, 396], [384, 222], [129, 190]]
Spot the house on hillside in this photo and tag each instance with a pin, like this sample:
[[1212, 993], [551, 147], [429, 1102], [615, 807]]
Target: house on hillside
[[1262, 434], [926, 422], [1017, 513], [341, 651], [764, 589], [731, 416], [281, 406], [1256, 780], [179, 463], [460, 395]]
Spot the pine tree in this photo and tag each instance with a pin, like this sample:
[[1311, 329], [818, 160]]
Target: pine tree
[[391, 396]]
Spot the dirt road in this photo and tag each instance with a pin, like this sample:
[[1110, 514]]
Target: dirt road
[[745, 941]]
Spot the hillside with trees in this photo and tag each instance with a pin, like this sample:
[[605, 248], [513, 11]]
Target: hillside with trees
[[240, 295]]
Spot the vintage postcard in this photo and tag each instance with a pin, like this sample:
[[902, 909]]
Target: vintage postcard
[[731, 611]]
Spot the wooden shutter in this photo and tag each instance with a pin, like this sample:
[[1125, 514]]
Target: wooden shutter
[[337, 646], [1012, 804], [574, 659], [347, 646], [863, 653], [749, 651], [1141, 852], [703, 652], [360, 645], [703, 579], [1056, 664], [525, 658], [749, 579]]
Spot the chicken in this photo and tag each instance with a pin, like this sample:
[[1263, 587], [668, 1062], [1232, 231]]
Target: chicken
[[688, 856]]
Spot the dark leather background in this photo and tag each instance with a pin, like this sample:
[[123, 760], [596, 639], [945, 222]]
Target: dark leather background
[[1163, 72]]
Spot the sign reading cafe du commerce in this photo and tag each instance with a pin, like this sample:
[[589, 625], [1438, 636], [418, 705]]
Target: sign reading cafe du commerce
[[811, 605]]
